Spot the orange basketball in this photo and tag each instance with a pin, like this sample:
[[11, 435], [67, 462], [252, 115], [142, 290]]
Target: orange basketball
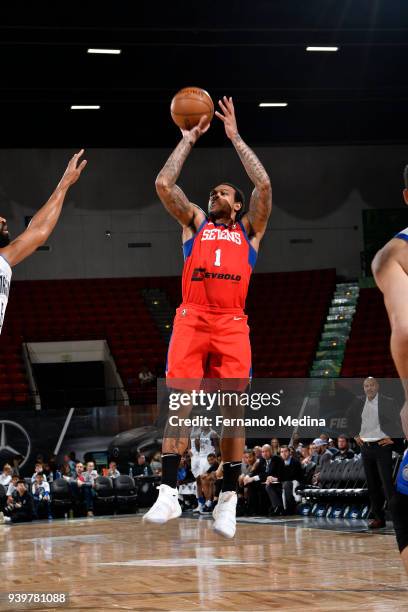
[[189, 105]]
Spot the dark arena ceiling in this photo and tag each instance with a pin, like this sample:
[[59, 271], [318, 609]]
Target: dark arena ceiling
[[254, 51]]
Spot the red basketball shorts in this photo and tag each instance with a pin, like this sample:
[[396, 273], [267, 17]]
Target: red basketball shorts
[[206, 344]]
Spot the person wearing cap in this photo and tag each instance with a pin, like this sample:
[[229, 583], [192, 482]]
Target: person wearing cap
[[321, 456], [372, 420]]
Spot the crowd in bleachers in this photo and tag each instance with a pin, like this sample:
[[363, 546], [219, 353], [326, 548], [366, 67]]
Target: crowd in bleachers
[[276, 480]]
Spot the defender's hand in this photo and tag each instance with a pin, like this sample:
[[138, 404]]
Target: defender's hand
[[194, 134], [73, 171], [228, 118]]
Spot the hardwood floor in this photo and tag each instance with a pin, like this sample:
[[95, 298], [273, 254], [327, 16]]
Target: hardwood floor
[[120, 563]]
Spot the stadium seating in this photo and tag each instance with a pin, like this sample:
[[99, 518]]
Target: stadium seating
[[286, 314], [368, 348]]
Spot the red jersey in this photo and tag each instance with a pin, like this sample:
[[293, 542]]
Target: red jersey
[[218, 262]]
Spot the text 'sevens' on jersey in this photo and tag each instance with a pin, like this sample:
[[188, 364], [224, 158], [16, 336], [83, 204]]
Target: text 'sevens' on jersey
[[217, 267], [5, 280]]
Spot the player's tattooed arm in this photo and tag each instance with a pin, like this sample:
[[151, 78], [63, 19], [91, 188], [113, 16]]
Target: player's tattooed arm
[[261, 200], [174, 199], [44, 221]]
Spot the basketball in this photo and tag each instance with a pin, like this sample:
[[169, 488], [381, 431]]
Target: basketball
[[189, 105]]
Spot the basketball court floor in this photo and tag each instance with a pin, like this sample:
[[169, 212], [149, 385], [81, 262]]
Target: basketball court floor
[[120, 563]]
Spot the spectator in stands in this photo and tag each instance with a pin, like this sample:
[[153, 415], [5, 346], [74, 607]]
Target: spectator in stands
[[82, 485], [17, 459], [321, 456], [268, 470], [66, 471], [146, 377], [295, 441], [54, 471], [156, 464], [21, 508], [38, 469], [40, 490], [12, 487], [6, 475], [344, 449], [306, 454], [68, 461], [275, 446], [371, 419], [208, 482], [248, 463], [142, 468], [113, 471], [258, 452], [332, 447], [292, 476]]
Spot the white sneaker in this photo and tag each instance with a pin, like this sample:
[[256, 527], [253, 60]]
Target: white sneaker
[[224, 514], [199, 508], [166, 506], [4, 519]]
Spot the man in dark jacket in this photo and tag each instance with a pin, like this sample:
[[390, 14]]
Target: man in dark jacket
[[268, 467], [372, 420], [21, 509]]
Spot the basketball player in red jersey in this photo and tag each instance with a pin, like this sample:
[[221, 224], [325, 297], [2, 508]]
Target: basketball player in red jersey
[[210, 334]]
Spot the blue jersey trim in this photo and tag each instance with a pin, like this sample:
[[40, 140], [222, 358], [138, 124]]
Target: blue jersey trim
[[188, 244], [402, 236], [252, 256]]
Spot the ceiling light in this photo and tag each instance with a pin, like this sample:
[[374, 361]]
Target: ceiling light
[[322, 49], [268, 104], [85, 107], [105, 51]]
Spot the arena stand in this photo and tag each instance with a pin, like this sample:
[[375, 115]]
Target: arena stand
[[286, 312]]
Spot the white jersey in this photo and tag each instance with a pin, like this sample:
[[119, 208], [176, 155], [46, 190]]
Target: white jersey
[[5, 280], [206, 443]]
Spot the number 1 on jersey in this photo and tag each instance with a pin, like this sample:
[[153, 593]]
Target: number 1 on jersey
[[217, 261]]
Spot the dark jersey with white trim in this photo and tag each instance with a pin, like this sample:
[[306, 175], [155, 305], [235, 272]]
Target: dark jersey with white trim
[[5, 280]]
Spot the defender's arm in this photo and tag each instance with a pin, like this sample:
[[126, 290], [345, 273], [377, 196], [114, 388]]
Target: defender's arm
[[46, 218]]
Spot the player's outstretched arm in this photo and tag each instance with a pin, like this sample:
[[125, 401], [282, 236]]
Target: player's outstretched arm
[[46, 218], [260, 205], [173, 198]]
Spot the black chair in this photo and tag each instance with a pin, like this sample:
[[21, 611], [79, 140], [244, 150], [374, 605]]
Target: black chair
[[104, 495], [125, 493], [61, 497]]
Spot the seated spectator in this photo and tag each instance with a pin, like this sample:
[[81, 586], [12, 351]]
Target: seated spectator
[[332, 447], [21, 508], [208, 481], [267, 471], [82, 485], [321, 456], [38, 469], [275, 446], [258, 452], [156, 464], [113, 471], [6, 475], [292, 476], [248, 464], [66, 471], [54, 470], [68, 461], [142, 468], [40, 490], [344, 449], [146, 377], [12, 487], [17, 459]]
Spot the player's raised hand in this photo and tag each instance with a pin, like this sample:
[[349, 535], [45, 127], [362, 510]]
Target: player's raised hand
[[228, 117], [198, 130], [73, 171]]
